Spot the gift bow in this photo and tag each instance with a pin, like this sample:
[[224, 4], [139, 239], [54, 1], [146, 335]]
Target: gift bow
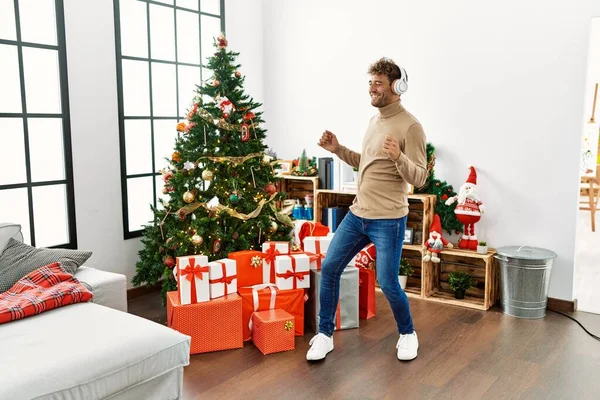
[[270, 254], [289, 325], [293, 273]]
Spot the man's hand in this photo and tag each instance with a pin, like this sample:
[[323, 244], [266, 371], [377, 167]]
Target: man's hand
[[391, 147], [329, 142]]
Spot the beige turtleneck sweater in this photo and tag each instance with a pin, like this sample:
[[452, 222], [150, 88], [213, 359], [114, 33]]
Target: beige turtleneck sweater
[[383, 184]]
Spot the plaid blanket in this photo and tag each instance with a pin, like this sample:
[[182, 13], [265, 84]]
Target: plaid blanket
[[45, 288]]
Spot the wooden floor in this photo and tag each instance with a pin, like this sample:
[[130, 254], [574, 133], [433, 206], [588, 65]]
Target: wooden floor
[[463, 354]]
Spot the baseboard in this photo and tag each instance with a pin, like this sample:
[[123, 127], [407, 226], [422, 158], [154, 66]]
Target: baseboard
[[561, 305], [142, 291]]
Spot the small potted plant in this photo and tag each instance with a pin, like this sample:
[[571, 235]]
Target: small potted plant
[[482, 248], [460, 282], [355, 174], [405, 271]]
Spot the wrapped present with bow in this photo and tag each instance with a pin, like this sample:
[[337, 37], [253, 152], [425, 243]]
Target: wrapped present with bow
[[249, 264], [346, 316], [223, 277], [273, 331], [292, 271], [268, 297], [316, 247], [213, 325], [192, 273], [270, 250]]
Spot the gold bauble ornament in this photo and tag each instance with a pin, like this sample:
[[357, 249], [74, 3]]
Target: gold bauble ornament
[[197, 240], [207, 175], [188, 197], [273, 227]]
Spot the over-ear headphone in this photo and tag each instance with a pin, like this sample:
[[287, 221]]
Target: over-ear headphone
[[400, 86]]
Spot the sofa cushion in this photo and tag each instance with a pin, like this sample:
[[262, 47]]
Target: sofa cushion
[[7, 231], [18, 259]]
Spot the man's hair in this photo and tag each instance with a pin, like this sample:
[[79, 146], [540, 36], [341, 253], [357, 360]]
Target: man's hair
[[387, 67]]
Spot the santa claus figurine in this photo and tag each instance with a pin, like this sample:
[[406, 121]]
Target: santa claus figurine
[[468, 210], [435, 244]]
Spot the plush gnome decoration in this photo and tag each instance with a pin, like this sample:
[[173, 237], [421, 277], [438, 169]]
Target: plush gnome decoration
[[468, 210], [435, 244]]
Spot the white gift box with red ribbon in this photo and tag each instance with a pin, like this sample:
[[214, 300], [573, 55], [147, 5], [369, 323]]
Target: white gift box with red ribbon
[[223, 277], [292, 271], [316, 248], [270, 250], [192, 273]]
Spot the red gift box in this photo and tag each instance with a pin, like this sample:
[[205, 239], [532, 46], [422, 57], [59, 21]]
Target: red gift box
[[213, 325], [273, 331], [249, 267], [268, 297], [366, 293]]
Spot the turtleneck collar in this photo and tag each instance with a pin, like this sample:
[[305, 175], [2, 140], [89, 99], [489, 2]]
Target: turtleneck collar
[[391, 109]]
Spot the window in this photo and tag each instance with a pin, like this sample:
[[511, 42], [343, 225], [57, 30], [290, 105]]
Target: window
[[36, 168], [160, 51]]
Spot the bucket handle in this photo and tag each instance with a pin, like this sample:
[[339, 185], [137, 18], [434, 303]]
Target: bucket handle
[[529, 249]]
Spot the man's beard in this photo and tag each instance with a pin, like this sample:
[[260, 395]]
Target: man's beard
[[473, 195]]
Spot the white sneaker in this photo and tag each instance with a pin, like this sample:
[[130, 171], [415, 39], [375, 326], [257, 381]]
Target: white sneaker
[[407, 347], [321, 344]]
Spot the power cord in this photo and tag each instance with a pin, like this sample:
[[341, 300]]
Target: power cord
[[579, 323]]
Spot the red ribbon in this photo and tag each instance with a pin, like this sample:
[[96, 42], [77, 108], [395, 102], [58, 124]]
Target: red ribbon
[[194, 272], [270, 254], [317, 256], [293, 274], [224, 279]]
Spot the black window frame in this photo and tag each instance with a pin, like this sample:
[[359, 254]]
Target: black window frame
[[64, 115], [127, 233]]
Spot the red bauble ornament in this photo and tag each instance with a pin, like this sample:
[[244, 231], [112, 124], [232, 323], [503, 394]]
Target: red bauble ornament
[[445, 197], [437, 184], [238, 74], [271, 189], [249, 115], [245, 132], [169, 262], [225, 115]]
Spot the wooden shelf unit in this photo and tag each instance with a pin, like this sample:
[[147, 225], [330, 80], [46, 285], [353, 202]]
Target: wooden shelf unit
[[297, 187], [430, 280]]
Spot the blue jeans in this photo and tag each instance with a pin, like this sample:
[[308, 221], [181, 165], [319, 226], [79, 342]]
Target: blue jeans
[[352, 235]]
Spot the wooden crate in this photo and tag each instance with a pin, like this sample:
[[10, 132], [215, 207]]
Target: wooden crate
[[482, 268], [331, 198], [414, 283], [421, 208], [297, 187]]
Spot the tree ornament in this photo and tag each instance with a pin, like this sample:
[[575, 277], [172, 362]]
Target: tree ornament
[[444, 197], [273, 227], [181, 127], [249, 116], [221, 41], [245, 132], [271, 189], [191, 231], [216, 246], [235, 236], [225, 105], [234, 198], [238, 74], [188, 197], [165, 190], [207, 175], [216, 83], [181, 214], [176, 156], [437, 184], [226, 115], [197, 240], [169, 262]]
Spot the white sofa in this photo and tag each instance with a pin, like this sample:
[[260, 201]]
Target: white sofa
[[93, 350]]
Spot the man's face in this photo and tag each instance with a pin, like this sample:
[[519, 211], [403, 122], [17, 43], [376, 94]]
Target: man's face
[[380, 90]]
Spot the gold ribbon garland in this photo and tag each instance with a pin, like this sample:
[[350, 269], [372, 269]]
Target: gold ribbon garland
[[281, 217], [221, 124], [233, 160], [190, 208]]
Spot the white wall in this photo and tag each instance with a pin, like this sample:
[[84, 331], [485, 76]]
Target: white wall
[[499, 85], [91, 62]]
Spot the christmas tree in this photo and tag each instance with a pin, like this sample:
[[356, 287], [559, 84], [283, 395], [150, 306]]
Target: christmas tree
[[220, 187], [443, 191]]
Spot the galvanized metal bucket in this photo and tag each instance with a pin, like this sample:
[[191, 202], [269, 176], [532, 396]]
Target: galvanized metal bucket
[[524, 280]]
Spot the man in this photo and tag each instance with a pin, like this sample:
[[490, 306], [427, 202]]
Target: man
[[393, 157]]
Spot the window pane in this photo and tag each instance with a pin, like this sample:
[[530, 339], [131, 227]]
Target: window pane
[[139, 198], [211, 6], [189, 77], [46, 149], [12, 152], [8, 26], [210, 29], [134, 28], [38, 21], [191, 4], [138, 147], [10, 83], [162, 32], [164, 141], [14, 207], [164, 90], [136, 88], [50, 215], [42, 81], [188, 37]]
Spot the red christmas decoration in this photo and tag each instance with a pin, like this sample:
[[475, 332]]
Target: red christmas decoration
[[169, 262], [271, 189], [245, 132], [225, 115]]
